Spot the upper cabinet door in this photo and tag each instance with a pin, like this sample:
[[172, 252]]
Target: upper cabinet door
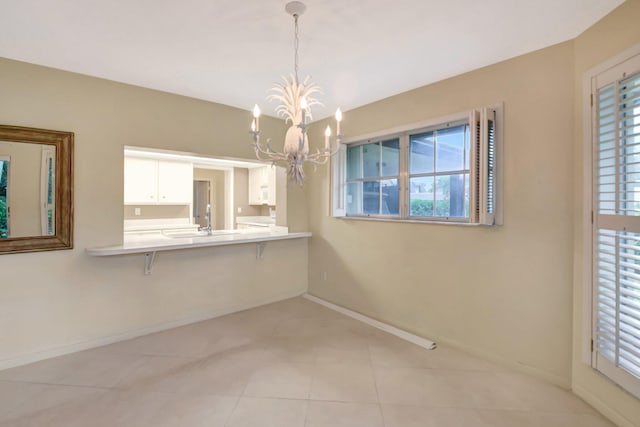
[[175, 183], [262, 186], [140, 181], [255, 183]]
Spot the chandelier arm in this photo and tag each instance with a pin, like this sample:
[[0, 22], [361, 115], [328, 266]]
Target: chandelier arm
[[317, 161], [269, 157], [265, 151], [325, 152], [268, 154]]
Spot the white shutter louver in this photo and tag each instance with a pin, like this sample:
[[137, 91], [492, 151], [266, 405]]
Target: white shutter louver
[[617, 231], [486, 164]]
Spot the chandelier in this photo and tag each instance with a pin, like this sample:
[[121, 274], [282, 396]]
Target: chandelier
[[296, 98]]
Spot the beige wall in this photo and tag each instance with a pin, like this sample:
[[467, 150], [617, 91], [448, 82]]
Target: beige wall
[[156, 211], [56, 301], [502, 292], [24, 188], [609, 37]]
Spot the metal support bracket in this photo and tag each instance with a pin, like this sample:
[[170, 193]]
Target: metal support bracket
[[149, 259], [260, 249]]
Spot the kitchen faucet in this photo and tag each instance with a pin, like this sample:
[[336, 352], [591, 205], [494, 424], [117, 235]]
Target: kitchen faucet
[[208, 228]]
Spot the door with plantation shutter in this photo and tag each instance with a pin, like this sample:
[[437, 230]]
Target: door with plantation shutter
[[616, 224]]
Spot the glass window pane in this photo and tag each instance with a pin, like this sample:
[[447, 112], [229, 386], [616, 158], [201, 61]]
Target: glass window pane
[[467, 177], [442, 196], [421, 196], [391, 157], [451, 196], [467, 147], [629, 197], [354, 162], [354, 198], [371, 197], [390, 203], [450, 149], [421, 153], [371, 160]]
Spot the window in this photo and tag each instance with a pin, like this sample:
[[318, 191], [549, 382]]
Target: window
[[442, 171], [439, 172], [615, 231]]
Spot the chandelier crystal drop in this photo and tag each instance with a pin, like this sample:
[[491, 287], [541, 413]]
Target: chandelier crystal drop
[[296, 98]]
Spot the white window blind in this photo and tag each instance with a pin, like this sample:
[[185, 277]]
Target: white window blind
[[616, 225], [485, 163]]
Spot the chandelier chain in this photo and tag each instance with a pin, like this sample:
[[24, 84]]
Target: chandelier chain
[[296, 44]]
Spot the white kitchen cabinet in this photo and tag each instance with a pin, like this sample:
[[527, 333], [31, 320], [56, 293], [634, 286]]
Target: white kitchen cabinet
[[140, 181], [262, 186], [175, 183], [149, 181]]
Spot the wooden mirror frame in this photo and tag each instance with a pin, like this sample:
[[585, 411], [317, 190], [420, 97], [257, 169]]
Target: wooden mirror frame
[[63, 143]]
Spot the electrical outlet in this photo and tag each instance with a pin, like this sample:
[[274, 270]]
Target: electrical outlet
[[324, 276], [136, 211], [239, 210]]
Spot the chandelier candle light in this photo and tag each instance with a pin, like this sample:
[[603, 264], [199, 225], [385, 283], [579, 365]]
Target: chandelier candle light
[[296, 99]]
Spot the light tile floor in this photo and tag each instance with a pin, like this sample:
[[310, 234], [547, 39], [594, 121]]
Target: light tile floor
[[288, 364]]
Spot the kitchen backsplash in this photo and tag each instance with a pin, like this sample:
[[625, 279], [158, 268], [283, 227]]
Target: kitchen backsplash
[[156, 212]]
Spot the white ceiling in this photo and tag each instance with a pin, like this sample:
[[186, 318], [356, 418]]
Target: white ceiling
[[232, 51]]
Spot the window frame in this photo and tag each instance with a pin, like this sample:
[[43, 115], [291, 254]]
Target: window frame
[[594, 79], [337, 205], [377, 178], [435, 173]]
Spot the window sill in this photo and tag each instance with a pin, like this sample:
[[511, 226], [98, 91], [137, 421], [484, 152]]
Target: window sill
[[410, 221]]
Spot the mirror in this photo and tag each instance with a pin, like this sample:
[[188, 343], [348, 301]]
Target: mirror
[[36, 189]]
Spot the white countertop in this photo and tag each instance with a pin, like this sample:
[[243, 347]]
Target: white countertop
[[145, 243]]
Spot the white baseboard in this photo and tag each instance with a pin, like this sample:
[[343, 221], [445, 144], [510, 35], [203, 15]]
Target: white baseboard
[[25, 359], [603, 408], [558, 380], [415, 339], [428, 344]]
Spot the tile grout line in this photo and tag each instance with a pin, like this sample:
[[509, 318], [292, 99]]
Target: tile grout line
[[375, 384], [306, 411], [235, 407]]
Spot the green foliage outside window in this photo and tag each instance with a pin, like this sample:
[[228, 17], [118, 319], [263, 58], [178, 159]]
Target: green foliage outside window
[[3, 217], [3, 200], [421, 207]]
